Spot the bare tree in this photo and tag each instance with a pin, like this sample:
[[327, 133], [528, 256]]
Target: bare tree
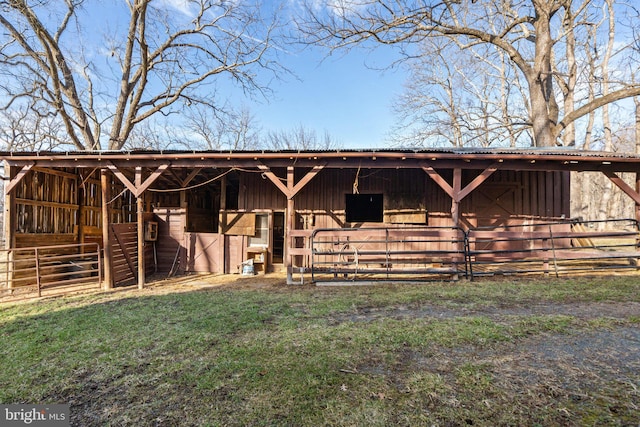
[[299, 138], [228, 128], [528, 32], [153, 135], [25, 129], [461, 100], [168, 56]]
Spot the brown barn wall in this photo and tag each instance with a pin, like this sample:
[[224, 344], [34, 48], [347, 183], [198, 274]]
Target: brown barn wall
[[324, 195], [506, 197], [29, 240], [515, 197]]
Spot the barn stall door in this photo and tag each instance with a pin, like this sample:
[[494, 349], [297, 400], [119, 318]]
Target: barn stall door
[[495, 203], [124, 250]]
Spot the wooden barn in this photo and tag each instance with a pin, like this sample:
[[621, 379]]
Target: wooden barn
[[331, 214]]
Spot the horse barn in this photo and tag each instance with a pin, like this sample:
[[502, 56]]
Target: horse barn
[[321, 216]]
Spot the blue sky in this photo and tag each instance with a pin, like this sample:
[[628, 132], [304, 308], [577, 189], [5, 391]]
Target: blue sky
[[341, 94]]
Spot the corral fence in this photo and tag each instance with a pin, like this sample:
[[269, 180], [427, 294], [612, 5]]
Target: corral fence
[[558, 248], [35, 269], [406, 253], [570, 247], [384, 253]]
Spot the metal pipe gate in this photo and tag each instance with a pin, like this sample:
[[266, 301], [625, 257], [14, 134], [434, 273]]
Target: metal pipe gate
[[34, 269], [382, 253], [569, 247]]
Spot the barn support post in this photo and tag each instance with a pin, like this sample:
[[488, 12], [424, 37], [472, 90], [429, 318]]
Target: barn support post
[[637, 205], [140, 221], [457, 192], [105, 186], [184, 208], [455, 200], [137, 188], [291, 221], [140, 227], [289, 226], [10, 217], [82, 212], [290, 190], [222, 238], [637, 210]]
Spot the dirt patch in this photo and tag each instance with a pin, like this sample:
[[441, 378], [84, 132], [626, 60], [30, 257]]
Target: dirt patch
[[614, 310]]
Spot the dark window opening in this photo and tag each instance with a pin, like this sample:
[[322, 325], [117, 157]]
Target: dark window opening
[[364, 208], [233, 191]]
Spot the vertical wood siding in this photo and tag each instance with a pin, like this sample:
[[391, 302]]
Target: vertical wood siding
[[506, 197], [171, 226]]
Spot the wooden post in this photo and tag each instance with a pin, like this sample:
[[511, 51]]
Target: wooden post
[[637, 205], [290, 190], [105, 186], [455, 199], [222, 238], [455, 211], [290, 243], [184, 206], [140, 217], [141, 266], [637, 208], [82, 212], [9, 222], [291, 215]]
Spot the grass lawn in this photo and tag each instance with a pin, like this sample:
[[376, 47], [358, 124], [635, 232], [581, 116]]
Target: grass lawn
[[527, 352]]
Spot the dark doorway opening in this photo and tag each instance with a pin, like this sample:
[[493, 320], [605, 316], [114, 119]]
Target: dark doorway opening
[[278, 237]]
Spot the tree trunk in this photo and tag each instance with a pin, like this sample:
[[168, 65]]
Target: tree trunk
[[605, 209], [544, 109]]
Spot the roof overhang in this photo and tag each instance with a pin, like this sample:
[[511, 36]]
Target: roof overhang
[[464, 158]]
